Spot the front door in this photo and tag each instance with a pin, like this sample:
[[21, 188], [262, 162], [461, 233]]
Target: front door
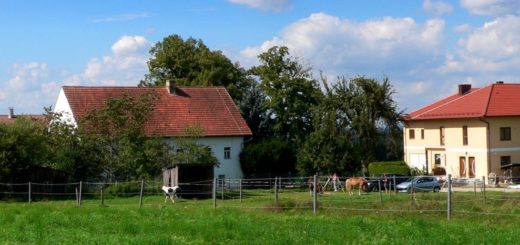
[[471, 167], [462, 167]]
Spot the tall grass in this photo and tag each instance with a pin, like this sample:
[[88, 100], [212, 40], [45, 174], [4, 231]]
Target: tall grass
[[289, 221]]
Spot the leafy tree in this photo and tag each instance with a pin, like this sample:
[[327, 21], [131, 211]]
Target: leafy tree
[[356, 118], [268, 157], [22, 145], [190, 152], [116, 133], [290, 92], [191, 63], [254, 111]]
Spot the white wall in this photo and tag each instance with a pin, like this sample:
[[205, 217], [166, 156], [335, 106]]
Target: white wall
[[230, 168], [62, 106]]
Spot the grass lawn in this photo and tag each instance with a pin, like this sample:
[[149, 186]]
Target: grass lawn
[[257, 221]]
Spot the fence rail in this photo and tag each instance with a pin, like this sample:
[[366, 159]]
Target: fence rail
[[286, 193]]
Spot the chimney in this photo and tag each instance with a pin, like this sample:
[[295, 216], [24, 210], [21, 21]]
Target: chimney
[[11, 113], [499, 82], [170, 85], [464, 88]]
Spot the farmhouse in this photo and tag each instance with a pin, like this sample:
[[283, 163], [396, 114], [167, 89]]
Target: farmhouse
[[473, 133], [210, 108]]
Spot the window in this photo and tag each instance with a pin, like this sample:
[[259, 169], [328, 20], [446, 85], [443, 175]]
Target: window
[[505, 133], [411, 134], [464, 135], [227, 152], [505, 160], [437, 159], [422, 133], [442, 135]]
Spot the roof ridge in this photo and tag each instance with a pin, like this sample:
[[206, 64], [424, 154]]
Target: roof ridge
[[449, 102]]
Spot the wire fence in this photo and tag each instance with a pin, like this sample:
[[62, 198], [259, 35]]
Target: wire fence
[[443, 196]]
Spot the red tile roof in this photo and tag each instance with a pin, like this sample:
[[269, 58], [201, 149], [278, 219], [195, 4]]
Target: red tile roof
[[210, 107], [499, 99]]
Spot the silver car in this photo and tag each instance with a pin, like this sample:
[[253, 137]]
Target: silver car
[[420, 183]]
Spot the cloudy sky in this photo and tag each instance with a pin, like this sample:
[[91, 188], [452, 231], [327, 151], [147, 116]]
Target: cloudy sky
[[425, 47]]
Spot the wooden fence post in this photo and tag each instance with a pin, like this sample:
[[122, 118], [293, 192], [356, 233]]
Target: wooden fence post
[[380, 192], [141, 194], [314, 195], [412, 192], [448, 211], [484, 188], [80, 191], [214, 193], [102, 197], [223, 183], [30, 192], [395, 187], [77, 197], [276, 189], [240, 189]]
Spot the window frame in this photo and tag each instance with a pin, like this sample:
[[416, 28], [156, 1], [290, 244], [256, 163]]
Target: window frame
[[505, 133], [442, 134], [464, 135], [227, 152], [502, 158], [411, 134]]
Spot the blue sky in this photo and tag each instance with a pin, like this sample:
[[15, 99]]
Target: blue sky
[[425, 47]]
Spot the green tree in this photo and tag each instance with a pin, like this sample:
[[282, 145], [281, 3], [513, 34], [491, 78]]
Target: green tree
[[22, 145], [356, 119], [191, 63], [116, 132], [268, 157], [290, 92], [189, 151]]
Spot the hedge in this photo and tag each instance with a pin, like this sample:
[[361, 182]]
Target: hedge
[[395, 167]]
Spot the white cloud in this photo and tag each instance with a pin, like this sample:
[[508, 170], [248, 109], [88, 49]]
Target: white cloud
[[437, 7], [329, 42], [131, 45], [272, 5], [491, 7], [34, 85], [463, 28], [126, 65], [492, 48]]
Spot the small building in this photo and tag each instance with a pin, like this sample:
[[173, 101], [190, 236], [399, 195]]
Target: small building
[[211, 108], [195, 180], [11, 117], [473, 133]]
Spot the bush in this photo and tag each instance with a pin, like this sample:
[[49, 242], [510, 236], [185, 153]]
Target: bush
[[395, 167], [123, 189]]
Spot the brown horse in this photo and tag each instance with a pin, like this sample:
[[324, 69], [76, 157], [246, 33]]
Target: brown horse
[[319, 189], [359, 182]]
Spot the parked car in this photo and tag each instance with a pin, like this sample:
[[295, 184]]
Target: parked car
[[420, 183], [373, 183]]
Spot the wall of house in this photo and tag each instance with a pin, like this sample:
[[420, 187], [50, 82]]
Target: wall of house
[[62, 106], [228, 168], [500, 147], [449, 154]]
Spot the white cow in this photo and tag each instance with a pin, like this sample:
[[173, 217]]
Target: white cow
[[170, 192]]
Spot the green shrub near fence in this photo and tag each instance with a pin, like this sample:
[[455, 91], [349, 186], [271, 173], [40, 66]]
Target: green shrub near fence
[[396, 167]]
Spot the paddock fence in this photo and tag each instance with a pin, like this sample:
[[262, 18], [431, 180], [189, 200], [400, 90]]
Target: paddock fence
[[457, 197]]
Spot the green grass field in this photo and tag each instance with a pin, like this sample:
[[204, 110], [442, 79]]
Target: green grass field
[[258, 220]]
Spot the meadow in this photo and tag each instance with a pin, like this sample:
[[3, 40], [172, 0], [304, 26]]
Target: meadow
[[259, 219]]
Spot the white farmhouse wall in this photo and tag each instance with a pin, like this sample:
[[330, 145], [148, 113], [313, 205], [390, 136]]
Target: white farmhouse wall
[[62, 106], [228, 168]]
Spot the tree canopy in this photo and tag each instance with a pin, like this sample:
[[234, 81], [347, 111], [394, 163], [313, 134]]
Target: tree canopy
[[191, 63]]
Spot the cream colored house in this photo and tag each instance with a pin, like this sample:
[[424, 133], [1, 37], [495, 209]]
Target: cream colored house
[[471, 134]]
